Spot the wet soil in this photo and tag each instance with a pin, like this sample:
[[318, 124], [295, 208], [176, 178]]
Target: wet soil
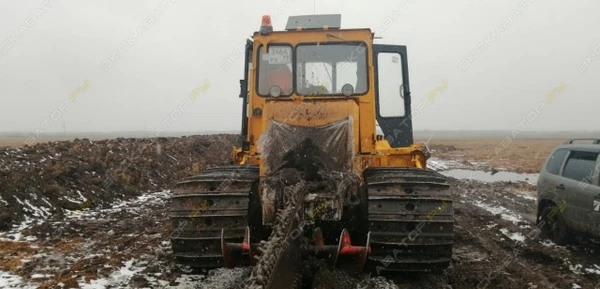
[[125, 244], [96, 244]]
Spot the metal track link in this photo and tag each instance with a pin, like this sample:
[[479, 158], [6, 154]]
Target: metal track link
[[202, 205], [411, 220]]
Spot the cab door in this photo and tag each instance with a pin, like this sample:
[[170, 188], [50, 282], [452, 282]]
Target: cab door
[[392, 94], [245, 87]]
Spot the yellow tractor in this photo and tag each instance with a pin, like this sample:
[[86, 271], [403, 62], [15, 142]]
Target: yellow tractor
[[322, 92]]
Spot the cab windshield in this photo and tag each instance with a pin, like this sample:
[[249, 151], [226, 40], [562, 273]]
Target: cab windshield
[[321, 69]]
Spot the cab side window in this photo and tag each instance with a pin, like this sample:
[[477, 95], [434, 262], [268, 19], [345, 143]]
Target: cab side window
[[580, 166], [556, 161]]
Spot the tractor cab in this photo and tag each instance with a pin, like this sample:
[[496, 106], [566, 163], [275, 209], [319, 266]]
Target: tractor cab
[[336, 67], [330, 74], [333, 67]]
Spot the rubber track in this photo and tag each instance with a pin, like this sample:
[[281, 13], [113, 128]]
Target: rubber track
[[411, 220], [203, 204]]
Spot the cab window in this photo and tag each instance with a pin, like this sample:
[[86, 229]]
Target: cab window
[[275, 75]]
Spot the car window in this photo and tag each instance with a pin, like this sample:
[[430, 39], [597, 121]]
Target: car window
[[580, 166], [555, 161]]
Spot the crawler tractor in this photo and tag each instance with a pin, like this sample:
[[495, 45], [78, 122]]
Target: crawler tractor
[[316, 84]]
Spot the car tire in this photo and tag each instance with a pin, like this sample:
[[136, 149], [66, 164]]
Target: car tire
[[555, 228]]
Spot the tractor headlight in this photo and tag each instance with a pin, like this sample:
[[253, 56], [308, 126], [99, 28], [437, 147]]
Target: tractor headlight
[[347, 89], [275, 91]]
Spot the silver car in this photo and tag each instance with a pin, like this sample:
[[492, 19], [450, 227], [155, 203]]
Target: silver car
[[568, 191]]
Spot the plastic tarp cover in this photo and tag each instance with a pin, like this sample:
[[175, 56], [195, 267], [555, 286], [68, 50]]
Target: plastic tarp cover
[[335, 139]]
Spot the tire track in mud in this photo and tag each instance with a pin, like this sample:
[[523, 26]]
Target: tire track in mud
[[495, 259], [501, 252]]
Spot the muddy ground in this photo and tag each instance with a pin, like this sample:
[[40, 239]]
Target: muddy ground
[[124, 243], [55, 177]]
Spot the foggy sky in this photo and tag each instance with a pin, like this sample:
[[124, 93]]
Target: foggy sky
[[499, 61]]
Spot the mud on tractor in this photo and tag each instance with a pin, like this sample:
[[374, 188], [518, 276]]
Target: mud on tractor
[[312, 177]]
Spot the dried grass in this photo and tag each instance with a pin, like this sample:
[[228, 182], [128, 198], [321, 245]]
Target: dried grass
[[516, 155]]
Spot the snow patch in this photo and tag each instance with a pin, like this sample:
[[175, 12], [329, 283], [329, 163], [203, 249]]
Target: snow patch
[[526, 196], [580, 270], [500, 210], [487, 177], [595, 270], [575, 268], [7, 280], [437, 164], [41, 276], [16, 233], [82, 197], [132, 206], [72, 200], [120, 277], [517, 236], [549, 243], [37, 212]]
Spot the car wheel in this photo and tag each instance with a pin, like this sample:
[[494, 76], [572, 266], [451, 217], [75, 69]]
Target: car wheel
[[554, 227]]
